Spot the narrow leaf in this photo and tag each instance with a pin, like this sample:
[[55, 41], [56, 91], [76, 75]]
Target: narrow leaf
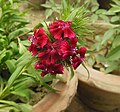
[[87, 70], [114, 54], [108, 34], [11, 65], [72, 72]]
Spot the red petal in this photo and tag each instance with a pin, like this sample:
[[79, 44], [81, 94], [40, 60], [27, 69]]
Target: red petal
[[76, 62], [82, 52], [73, 42], [71, 33], [42, 41], [33, 48]]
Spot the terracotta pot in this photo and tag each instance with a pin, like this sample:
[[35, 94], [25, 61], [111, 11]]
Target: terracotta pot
[[58, 102], [101, 91]]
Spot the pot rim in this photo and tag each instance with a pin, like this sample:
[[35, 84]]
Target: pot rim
[[99, 80]]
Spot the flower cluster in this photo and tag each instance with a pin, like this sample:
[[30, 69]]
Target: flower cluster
[[56, 49]]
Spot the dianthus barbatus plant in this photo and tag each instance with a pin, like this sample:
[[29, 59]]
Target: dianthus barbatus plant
[[56, 48]]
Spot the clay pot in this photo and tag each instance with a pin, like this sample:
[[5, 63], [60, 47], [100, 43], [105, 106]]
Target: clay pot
[[58, 102], [101, 91]]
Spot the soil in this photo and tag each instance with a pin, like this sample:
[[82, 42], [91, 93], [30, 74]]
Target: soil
[[38, 94]]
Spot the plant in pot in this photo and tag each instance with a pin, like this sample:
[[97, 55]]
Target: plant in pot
[[101, 91], [54, 46], [57, 50]]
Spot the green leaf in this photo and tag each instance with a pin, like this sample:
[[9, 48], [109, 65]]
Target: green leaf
[[11, 1], [104, 17], [48, 13], [72, 15], [97, 46], [2, 54], [94, 17], [48, 78], [115, 9], [60, 78], [19, 19], [22, 48], [8, 108], [91, 61], [98, 38], [25, 42], [101, 11], [115, 18], [7, 56], [26, 108], [100, 57], [11, 65], [14, 46], [72, 72], [24, 59], [15, 75], [47, 5], [1, 83], [86, 70], [65, 12], [114, 54], [111, 67], [117, 2], [10, 103], [23, 82], [49, 88], [18, 32], [2, 30], [22, 92], [94, 8], [108, 34], [116, 41]]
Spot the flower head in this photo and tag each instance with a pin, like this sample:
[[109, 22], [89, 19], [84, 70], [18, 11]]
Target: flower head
[[52, 69], [61, 29], [57, 50], [67, 50], [82, 52], [76, 61], [38, 40]]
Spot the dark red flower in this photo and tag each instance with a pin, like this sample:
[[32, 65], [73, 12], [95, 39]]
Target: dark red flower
[[39, 65], [60, 50], [39, 32], [33, 48], [76, 61], [49, 56], [67, 50], [52, 69], [61, 29], [73, 41], [82, 52], [57, 46], [33, 40], [41, 37]]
